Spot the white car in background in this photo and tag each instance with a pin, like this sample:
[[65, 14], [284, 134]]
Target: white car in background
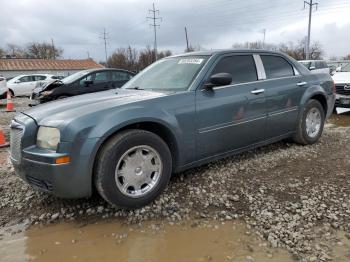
[[316, 66], [342, 85], [23, 85], [3, 88]]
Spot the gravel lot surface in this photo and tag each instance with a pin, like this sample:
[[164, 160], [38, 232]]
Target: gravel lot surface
[[296, 197]]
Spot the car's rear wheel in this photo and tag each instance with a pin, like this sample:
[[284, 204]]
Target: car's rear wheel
[[133, 168], [311, 123]]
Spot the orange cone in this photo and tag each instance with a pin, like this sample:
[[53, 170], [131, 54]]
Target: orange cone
[[3, 142], [9, 103]]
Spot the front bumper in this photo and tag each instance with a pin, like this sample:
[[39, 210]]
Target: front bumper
[[341, 101], [37, 166]]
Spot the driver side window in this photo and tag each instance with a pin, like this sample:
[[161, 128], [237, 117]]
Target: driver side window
[[86, 78], [241, 67]]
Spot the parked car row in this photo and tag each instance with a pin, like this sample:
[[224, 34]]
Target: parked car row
[[42, 88], [83, 82]]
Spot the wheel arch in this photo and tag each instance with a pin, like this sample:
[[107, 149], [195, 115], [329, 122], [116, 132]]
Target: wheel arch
[[157, 128], [323, 101]]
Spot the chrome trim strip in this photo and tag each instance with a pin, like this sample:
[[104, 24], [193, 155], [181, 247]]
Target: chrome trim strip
[[259, 67], [284, 111], [251, 82], [229, 124]]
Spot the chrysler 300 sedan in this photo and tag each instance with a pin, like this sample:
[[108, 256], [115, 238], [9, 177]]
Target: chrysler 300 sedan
[[178, 113]]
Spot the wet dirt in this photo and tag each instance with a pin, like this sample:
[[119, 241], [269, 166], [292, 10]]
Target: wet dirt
[[340, 120], [158, 241], [113, 241]]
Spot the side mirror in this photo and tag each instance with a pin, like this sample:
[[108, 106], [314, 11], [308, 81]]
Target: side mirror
[[312, 68], [17, 82], [338, 69], [220, 79], [88, 82]]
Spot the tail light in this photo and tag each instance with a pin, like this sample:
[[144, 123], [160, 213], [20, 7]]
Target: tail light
[[334, 88]]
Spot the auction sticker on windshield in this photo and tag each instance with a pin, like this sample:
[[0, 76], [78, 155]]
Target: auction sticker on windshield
[[196, 61]]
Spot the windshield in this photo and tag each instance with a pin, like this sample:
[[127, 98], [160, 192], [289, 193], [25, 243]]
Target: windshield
[[169, 74], [345, 68], [75, 76]]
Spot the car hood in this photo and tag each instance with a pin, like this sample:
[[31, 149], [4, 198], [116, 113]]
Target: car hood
[[57, 112], [341, 77]]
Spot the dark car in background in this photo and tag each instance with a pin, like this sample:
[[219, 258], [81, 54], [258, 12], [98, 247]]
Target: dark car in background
[[82, 82]]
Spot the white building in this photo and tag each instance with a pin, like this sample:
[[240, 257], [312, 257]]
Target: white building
[[13, 67]]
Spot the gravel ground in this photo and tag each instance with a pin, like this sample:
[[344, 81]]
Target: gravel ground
[[296, 197]]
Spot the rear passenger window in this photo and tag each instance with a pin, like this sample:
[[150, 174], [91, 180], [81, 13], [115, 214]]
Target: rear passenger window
[[120, 76], [276, 66], [241, 67]]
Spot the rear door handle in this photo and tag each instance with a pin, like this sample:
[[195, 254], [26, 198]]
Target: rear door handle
[[257, 91], [301, 83]]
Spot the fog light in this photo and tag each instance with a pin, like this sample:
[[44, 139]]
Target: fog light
[[62, 160]]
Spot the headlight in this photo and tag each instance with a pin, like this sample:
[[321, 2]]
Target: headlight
[[46, 93], [48, 137]]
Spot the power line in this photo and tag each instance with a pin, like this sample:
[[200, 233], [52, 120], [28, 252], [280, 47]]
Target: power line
[[310, 4], [154, 19], [104, 38]]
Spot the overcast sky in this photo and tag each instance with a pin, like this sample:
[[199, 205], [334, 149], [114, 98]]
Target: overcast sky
[[76, 25]]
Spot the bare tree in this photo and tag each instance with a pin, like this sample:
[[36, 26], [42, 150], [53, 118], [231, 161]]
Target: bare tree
[[15, 51], [43, 51], [297, 51], [2, 53], [125, 58], [131, 59], [347, 57]]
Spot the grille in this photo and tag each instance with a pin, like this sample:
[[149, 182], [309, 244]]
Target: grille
[[45, 185], [15, 141], [341, 91]]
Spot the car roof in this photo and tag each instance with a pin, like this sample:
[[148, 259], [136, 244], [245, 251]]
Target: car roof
[[107, 69], [225, 51], [311, 60]]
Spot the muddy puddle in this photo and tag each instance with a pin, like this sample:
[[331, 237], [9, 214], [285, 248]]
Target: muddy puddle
[[342, 119], [112, 241]]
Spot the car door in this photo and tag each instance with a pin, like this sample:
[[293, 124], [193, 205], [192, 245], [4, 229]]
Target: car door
[[93, 82], [234, 116], [284, 87], [24, 85], [101, 81], [119, 78]]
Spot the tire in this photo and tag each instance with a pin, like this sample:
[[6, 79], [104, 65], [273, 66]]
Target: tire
[[111, 157], [302, 136]]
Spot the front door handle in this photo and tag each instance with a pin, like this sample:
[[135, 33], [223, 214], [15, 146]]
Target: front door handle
[[257, 91], [301, 83]]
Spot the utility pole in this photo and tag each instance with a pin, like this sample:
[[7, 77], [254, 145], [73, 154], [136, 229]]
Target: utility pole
[[104, 38], [264, 32], [307, 48], [154, 19], [88, 54], [53, 55], [188, 48]]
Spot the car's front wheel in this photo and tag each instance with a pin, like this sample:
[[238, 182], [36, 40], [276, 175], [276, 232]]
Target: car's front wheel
[[133, 168], [311, 123]]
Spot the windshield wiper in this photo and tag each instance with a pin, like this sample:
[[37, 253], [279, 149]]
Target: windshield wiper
[[135, 88]]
